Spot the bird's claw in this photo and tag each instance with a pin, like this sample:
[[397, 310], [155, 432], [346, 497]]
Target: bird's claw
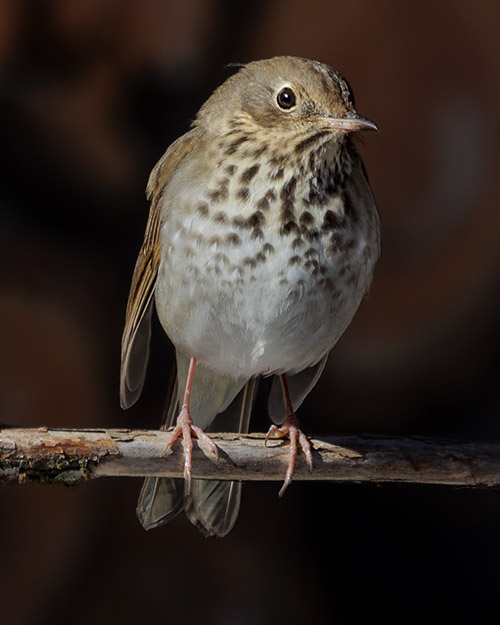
[[290, 429], [185, 427]]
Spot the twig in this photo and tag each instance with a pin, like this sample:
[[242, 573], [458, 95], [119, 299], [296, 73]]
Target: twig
[[45, 454]]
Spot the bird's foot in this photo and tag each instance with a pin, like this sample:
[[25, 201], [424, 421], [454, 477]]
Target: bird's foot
[[185, 427], [291, 430]]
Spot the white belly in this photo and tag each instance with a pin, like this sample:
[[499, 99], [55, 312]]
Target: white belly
[[258, 306]]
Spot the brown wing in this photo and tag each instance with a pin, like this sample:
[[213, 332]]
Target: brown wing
[[137, 331]]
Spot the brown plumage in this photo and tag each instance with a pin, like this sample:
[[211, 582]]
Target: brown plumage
[[260, 245]]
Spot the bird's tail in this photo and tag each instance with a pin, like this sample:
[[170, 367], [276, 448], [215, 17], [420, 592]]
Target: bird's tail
[[218, 404]]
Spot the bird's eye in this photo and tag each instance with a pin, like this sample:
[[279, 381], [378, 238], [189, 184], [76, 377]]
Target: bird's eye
[[286, 98]]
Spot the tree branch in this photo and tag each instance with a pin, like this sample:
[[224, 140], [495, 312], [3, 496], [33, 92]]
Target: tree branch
[[45, 454]]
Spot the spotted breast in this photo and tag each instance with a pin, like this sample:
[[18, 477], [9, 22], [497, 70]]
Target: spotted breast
[[267, 257]]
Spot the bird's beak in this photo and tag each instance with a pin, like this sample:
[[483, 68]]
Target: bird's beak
[[352, 122]]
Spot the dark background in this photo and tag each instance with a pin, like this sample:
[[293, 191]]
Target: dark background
[[91, 94]]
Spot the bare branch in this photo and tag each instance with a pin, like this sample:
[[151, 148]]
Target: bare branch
[[70, 455]]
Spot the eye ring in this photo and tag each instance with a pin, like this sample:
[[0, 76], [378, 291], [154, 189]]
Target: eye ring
[[286, 99]]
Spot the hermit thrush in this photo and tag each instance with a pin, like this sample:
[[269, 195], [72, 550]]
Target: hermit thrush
[[261, 243]]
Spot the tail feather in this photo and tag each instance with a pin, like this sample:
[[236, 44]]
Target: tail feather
[[162, 498], [211, 505]]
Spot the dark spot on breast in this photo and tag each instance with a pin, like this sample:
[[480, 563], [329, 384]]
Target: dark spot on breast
[[294, 260], [231, 170], [221, 193], [256, 219], [202, 208], [287, 197], [238, 221], [312, 266], [250, 262], [278, 174], [306, 218], [249, 173], [270, 195], [268, 249], [316, 198], [234, 122], [331, 221], [277, 159], [244, 193], [289, 227], [257, 234], [310, 235], [288, 190], [263, 204], [260, 257], [220, 217], [312, 251], [296, 243], [310, 141], [311, 263], [233, 239], [312, 161], [253, 222], [214, 240], [262, 149], [234, 145]]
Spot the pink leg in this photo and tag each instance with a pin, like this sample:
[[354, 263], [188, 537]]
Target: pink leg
[[185, 427], [290, 428]]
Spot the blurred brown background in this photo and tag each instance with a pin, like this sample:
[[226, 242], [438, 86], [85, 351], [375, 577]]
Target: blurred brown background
[[91, 94]]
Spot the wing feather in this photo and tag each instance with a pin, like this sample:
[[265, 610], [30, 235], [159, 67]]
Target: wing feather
[[137, 331]]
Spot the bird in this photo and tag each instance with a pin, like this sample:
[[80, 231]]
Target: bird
[[260, 245]]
